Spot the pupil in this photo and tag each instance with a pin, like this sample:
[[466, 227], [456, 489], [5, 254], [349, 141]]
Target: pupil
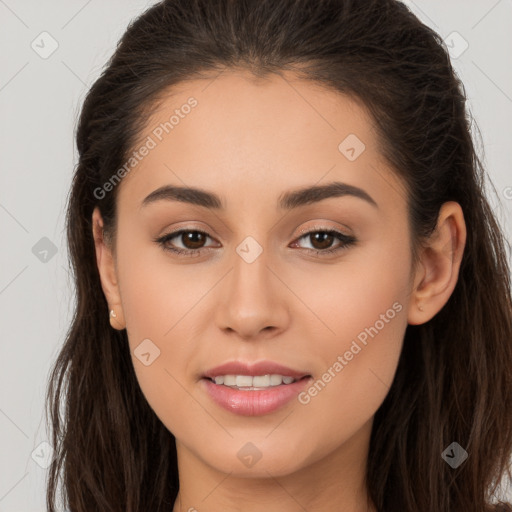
[[189, 237], [325, 236]]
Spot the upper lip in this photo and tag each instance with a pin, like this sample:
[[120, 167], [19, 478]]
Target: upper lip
[[253, 369]]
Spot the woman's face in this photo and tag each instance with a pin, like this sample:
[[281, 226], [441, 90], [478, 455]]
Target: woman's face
[[254, 289]]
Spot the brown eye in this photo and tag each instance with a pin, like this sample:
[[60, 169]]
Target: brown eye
[[191, 240], [321, 241]]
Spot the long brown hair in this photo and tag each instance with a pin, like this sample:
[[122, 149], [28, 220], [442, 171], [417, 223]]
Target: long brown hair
[[453, 382]]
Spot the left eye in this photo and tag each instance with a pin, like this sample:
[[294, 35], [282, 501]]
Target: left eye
[[325, 238], [193, 241]]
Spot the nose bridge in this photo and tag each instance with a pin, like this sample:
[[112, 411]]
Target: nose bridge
[[250, 276], [251, 300]]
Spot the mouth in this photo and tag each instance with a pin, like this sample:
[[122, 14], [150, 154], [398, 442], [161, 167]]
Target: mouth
[[254, 383], [253, 389]]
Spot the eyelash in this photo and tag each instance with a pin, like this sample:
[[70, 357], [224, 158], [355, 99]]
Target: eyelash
[[347, 241]]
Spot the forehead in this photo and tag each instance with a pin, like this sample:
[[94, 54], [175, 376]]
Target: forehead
[[234, 132]]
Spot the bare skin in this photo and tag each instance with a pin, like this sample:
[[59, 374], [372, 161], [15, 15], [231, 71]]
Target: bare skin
[[250, 142]]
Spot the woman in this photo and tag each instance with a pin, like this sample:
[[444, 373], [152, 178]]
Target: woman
[[292, 293]]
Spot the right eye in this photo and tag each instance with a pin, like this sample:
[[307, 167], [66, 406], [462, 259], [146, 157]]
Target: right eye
[[194, 239]]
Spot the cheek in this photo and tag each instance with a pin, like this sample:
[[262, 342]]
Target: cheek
[[157, 294], [350, 296], [364, 303], [159, 301], [354, 381]]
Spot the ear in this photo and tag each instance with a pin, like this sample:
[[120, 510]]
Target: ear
[[107, 270], [439, 263]]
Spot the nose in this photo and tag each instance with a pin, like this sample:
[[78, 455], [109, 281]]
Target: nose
[[253, 300]]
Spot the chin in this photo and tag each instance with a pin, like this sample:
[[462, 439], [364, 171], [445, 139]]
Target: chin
[[253, 460]]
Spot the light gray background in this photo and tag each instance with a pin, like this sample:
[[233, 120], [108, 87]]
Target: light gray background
[[39, 102]]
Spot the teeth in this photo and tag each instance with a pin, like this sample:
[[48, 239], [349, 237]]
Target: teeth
[[258, 381], [243, 381], [229, 380], [262, 381], [275, 380]]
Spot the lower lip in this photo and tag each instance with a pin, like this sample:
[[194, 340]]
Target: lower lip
[[255, 402]]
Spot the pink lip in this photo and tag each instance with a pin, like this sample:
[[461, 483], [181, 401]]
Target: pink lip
[[253, 402]]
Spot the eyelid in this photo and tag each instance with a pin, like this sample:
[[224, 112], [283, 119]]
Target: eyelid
[[320, 227], [300, 234], [345, 240]]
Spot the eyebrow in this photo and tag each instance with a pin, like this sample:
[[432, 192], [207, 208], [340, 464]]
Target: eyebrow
[[287, 201]]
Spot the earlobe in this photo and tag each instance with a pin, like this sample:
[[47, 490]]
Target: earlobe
[[107, 271], [438, 269]]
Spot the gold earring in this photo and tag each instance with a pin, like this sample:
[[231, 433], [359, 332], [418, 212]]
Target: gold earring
[[113, 313]]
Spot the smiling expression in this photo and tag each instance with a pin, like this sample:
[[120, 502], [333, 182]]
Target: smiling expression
[[294, 241]]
